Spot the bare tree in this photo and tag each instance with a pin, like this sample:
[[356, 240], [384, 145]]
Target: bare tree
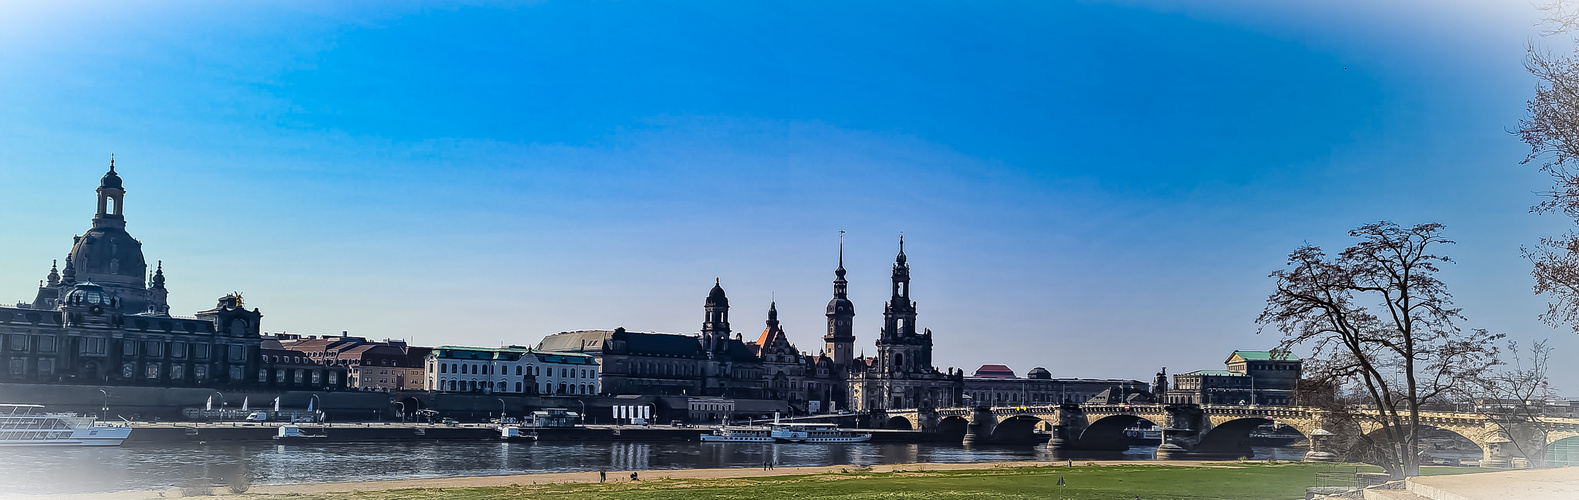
[[1381, 324], [1551, 129], [1513, 397]]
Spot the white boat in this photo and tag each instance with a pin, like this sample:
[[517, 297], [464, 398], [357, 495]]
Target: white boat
[[290, 433], [22, 425], [816, 433], [516, 434], [739, 434]]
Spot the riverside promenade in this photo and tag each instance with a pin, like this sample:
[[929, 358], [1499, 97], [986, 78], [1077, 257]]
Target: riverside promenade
[[1535, 484]]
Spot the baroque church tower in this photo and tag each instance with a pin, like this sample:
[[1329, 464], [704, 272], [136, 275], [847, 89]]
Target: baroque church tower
[[107, 256], [840, 340], [899, 348], [715, 328]]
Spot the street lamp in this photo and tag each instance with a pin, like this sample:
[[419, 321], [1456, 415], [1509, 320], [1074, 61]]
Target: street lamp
[[318, 408], [402, 411], [221, 404], [501, 409], [104, 411]]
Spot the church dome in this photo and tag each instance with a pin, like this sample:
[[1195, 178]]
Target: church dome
[[716, 298], [111, 179], [1039, 373], [109, 255]]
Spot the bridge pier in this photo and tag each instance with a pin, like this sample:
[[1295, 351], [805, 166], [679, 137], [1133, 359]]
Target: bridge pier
[[1182, 432], [982, 423], [1070, 426]]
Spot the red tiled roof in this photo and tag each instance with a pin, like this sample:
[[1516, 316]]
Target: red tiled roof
[[994, 371]]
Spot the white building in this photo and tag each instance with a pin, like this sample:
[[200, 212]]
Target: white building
[[511, 370]]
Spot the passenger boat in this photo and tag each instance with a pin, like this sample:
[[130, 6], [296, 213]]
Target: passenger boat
[[1143, 435], [816, 433], [21, 425], [739, 434]]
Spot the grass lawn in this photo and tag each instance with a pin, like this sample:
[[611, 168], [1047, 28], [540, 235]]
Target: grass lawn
[[1249, 480]]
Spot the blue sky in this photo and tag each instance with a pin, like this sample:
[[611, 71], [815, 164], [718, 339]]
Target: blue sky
[[1096, 187]]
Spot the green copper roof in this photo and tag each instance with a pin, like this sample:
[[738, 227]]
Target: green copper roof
[[1219, 373], [1273, 355]]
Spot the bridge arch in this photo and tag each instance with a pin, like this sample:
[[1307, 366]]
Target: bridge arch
[[953, 425], [1232, 436], [1563, 452], [899, 422], [1107, 433], [1016, 429], [1461, 444]]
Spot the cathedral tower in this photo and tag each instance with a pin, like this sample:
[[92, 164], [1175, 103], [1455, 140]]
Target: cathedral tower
[[899, 348], [840, 340]]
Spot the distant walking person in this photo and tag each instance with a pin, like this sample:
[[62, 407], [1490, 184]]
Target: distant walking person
[[603, 476]]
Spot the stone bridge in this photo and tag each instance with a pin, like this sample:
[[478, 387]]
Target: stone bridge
[[1205, 430]]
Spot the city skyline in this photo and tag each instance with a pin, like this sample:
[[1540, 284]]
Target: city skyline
[[1095, 178]]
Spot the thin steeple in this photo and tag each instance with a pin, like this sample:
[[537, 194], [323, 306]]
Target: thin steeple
[[840, 270]]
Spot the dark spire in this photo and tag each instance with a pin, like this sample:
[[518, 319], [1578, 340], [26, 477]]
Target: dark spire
[[54, 274], [901, 258], [159, 275], [840, 271], [773, 314]]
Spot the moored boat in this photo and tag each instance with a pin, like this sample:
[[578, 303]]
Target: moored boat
[[739, 434], [516, 434], [1143, 435], [288, 433], [816, 433], [21, 425]]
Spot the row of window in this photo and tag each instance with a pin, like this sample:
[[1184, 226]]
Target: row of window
[[176, 372], [461, 369], [33, 423], [297, 377], [34, 435], [98, 346], [479, 386], [658, 368]]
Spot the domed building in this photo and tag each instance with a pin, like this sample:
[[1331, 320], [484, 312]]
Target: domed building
[[104, 319]]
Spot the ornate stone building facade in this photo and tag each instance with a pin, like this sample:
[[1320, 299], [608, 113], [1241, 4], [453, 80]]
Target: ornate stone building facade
[[103, 320], [716, 362], [1267, 378], [902, 374]]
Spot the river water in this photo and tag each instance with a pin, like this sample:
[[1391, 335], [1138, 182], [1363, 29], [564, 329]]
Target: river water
[[143, 466]]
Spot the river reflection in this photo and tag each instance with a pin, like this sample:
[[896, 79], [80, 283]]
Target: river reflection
[[139, 466]]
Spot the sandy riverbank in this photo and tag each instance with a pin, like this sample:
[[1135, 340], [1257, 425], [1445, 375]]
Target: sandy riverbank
[[592, 477]]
